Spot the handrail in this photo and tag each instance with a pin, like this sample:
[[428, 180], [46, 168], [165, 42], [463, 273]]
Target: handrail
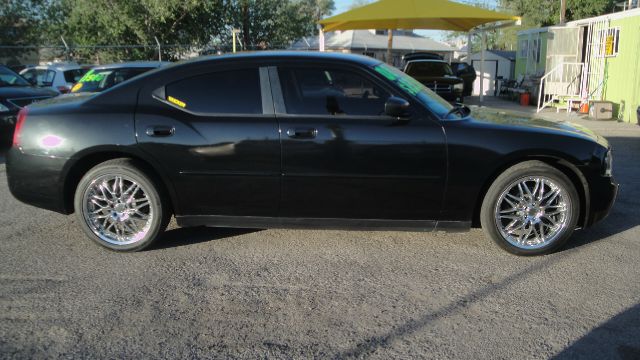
[[566, 72]]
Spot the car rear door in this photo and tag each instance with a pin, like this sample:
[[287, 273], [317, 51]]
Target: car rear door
[[342, 157], [214, 132]]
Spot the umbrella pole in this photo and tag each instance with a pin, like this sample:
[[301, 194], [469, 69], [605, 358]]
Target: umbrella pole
[[389, 47], [484, 45]]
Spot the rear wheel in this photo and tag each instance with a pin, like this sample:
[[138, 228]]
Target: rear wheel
[[530, 209], [120, 207]]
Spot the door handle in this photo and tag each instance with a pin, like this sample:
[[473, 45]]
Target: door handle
[[309, 133], [160, 131]]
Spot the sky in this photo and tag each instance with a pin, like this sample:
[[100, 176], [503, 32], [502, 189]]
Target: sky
[[343, 5]]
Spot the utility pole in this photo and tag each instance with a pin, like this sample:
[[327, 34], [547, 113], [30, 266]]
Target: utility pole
[[234, 33], [159, 49], [563, 11], [389, 47]]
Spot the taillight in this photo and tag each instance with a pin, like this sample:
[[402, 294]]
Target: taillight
[[22, 117], [64, 89]]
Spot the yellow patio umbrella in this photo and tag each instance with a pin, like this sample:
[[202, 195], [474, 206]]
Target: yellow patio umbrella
[[414, 14]]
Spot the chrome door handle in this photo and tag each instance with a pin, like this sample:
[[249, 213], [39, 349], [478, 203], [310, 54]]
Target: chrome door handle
[[307, 133], [160, 131]]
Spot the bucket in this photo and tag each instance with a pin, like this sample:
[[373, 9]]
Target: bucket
[[584, 108], [524, 99]]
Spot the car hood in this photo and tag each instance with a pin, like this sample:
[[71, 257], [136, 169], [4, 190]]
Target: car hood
[[534, 124], [10, 92]]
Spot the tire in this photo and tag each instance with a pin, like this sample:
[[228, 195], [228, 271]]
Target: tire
[[110, 205], [536, 222]]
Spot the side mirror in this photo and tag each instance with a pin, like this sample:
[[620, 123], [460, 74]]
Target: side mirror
[[396, 107]]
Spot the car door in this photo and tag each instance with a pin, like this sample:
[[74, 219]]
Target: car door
[[342, 157], [215, 133]]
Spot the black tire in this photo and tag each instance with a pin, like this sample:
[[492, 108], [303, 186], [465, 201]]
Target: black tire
[[158, 212], [507, 180]]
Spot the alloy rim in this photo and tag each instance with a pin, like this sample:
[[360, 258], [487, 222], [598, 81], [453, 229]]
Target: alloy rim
[[117, 209], [532, 212]]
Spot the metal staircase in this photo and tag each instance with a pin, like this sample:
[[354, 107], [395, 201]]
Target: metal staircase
[[572, 82]]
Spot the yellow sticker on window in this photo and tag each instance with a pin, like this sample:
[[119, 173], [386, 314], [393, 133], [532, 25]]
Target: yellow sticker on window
[[76, 87], [175, 101]]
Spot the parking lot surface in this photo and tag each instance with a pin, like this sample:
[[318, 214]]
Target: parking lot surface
[[212, 293]]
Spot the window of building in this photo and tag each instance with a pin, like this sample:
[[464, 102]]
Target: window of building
[[318, 91], [226, 92], [611, 40], [524, 48]]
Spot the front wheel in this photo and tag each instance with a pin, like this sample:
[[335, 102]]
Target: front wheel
[[530, 209], [120, 207]]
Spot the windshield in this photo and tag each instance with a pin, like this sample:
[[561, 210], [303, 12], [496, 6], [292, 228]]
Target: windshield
[[427, 97], [9, 78], [429, 68], [100, 80]]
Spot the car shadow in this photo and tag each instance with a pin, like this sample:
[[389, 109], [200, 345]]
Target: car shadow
[[195, 235], [615, 339]]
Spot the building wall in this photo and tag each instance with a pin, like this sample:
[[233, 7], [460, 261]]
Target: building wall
[[622, 72], [526, 65]]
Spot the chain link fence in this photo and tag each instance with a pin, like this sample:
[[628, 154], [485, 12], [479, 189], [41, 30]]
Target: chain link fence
[[22, 56]]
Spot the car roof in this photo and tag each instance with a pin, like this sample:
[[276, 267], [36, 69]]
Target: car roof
[[426, 60], [132, 64], [55, 66], [293, 55]]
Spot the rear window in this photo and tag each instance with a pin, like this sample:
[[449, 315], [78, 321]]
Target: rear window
[[73, 76], [228, 92], [429, 68], [97, 80]]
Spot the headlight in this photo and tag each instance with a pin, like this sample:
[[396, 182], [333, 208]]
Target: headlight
[[458, 86], [608, 163], [3, 108]]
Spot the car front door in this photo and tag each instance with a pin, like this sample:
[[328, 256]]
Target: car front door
[[342, 157], [215, 134]]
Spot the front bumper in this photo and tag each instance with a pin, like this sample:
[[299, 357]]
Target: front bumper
[[603, 195]]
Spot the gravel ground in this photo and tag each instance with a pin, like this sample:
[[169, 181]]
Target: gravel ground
[[234, 293]]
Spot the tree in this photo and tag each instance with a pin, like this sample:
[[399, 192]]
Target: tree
[[20, 25], [547, 12]]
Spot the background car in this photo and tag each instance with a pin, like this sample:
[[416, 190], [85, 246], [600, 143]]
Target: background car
[[103, 77], [15, 93], [437, 76], [312, 140], [58, 76], [467, 73]]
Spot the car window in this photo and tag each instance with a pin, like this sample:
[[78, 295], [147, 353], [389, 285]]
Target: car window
[[323, 91], [97, 80], [73, 76], [412, 86], [9, 78], [429, 68], [40, 77], [225, 92]]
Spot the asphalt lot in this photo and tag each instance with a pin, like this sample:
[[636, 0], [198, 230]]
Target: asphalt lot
[[211, 293]]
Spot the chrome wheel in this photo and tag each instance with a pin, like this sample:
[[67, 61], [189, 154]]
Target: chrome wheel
[[532, 212], [117, 209]]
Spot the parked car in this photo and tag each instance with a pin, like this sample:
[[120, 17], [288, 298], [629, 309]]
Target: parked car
[[420, 55], [15, 93], [57, 76], [467, 73], [311, 140], [104, 77], [437, 76]]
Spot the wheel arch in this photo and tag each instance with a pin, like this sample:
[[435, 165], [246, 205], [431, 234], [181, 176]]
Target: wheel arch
[[567, 167], [88, 159]]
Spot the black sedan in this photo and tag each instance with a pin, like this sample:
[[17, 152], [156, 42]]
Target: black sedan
[[303, 140]]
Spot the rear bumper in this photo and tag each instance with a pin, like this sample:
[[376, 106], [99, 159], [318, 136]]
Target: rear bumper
[[603, 195], [36, 180]]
